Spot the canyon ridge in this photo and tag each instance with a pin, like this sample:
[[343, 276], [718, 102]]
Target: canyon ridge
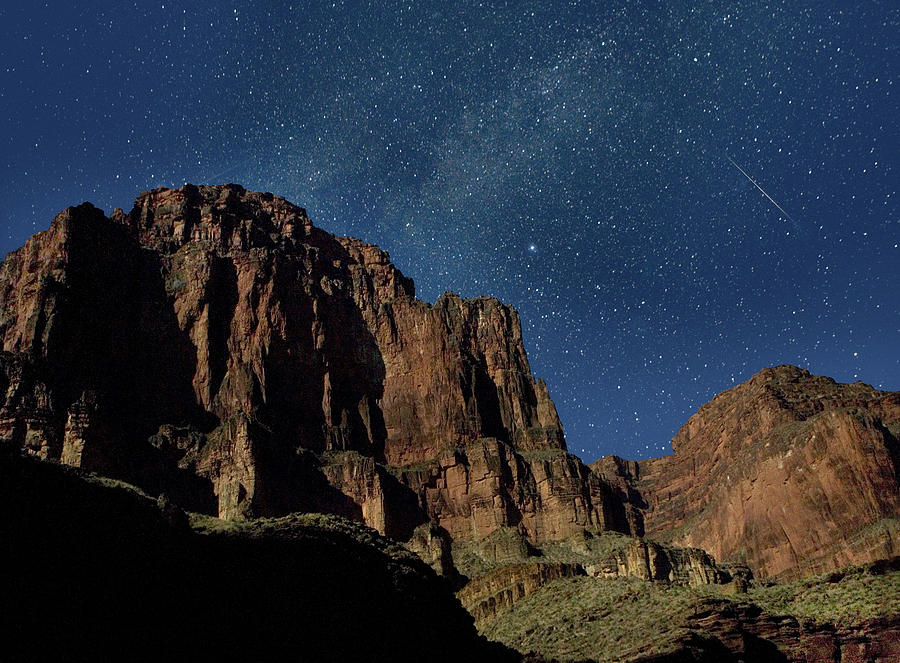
[[213, 347]]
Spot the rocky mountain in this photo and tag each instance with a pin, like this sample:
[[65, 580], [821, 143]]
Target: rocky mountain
[[788, 473], [214, 345], [215, 349]]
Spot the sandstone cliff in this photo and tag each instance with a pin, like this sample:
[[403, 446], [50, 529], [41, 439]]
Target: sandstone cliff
[[788, 473], [214, 345], [517, 577]]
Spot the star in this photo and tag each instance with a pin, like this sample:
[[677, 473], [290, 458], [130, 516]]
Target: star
[[441, 134]]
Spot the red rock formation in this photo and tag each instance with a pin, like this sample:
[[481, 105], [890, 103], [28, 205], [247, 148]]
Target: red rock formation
[[751, 634], [213, 343], [788, 473], [499, 591], [650, 561], [474, 490]]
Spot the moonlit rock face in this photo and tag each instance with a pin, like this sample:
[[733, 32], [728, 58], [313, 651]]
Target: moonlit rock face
[[213, 344], [789, 473]]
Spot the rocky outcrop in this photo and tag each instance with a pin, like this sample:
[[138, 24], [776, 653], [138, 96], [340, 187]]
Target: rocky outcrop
[[648, 560], [214, 345], [484, 597], [848, 615], [548, 495], [788, 473], [517, 572], [750, 634]]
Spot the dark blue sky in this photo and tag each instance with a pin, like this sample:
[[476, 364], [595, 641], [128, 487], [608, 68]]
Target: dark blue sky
[[571, 159]]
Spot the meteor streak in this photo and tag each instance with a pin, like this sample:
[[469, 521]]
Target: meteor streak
[[771, 200]]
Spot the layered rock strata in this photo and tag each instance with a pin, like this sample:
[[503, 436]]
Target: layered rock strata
[[514, 574], [650, 561], [214, 345], [748, 633], [484, 597], [788, 473]]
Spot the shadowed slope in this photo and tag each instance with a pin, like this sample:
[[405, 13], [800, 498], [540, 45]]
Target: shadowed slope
[[98, 570]]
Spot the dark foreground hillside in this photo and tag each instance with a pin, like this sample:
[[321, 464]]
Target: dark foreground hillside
[[94, 569]]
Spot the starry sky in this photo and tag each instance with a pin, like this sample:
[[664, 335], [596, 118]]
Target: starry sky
[[581, 161]]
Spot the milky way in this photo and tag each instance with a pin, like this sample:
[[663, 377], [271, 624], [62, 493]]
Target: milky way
[[571, 160]]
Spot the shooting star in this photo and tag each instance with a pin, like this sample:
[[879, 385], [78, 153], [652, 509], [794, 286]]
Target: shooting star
[[763, 191]]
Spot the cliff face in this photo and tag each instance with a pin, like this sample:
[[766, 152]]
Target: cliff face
[[499, 590], [788, 473], [213, 344]]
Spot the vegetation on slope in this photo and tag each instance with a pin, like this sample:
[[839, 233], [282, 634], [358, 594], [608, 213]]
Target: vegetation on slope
[[619, 619], [603, 620], [841, 597]]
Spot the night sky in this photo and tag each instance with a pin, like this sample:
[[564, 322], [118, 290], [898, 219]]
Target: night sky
[[580, 161]]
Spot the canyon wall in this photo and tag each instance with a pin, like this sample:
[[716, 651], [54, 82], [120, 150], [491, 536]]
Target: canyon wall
[[214, 345], [789, 473]]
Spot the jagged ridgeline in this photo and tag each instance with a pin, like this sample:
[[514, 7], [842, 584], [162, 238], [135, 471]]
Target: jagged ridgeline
[[213, 345], [215, 349], [789, 473]]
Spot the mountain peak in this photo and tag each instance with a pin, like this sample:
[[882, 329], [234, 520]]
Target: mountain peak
[[783, 471], [214, 343], [227, 216]]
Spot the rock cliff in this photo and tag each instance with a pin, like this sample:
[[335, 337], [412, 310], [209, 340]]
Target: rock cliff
[[484, 597], [214, 345], [498, 590], [788, 473], [748, 633]]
